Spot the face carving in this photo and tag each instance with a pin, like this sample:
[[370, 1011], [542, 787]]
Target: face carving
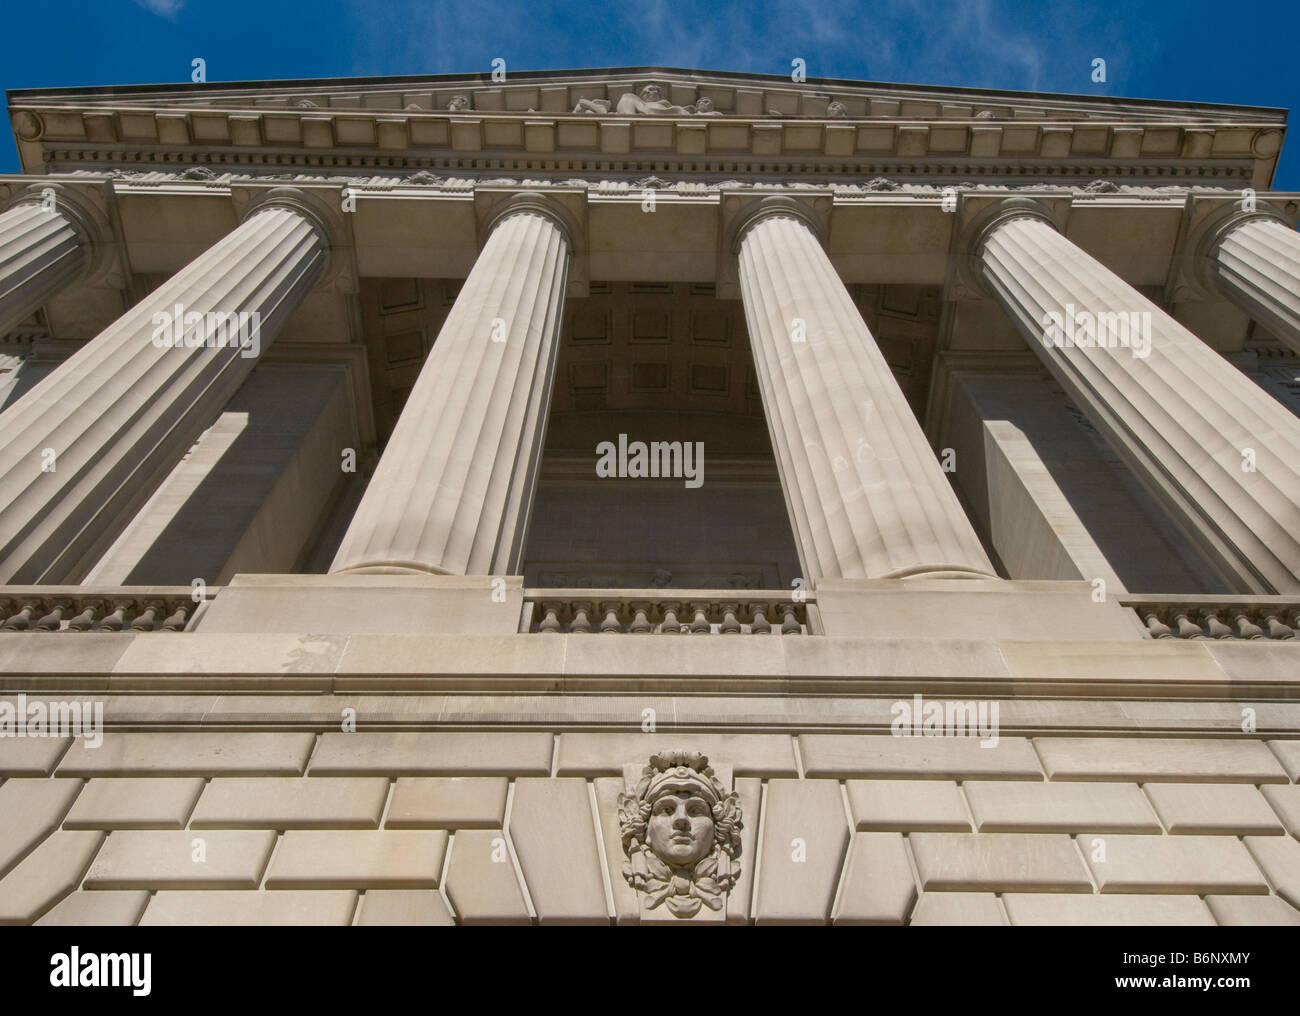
[[651, 93], [680, 830], [681, 834]]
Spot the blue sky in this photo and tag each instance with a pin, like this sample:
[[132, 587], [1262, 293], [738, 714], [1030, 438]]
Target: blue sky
[[1193, 50]]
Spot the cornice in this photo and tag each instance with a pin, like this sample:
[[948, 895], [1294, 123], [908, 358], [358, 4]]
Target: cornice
[[803, 140]]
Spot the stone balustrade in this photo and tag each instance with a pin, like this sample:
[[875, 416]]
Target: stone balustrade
[[657, 611], [86, 608], [1230, 617]]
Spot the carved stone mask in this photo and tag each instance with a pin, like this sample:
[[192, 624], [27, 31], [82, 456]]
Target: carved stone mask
[[680, 830], [681, 833], [651, 93]]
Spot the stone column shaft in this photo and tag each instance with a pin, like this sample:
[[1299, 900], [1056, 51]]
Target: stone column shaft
[[1222, 456], [81, 451], [454, 486], [40, 252], [866, 495], [1257, 264]]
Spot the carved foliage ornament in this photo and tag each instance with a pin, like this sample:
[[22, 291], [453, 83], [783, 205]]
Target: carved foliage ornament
[[681, 834]]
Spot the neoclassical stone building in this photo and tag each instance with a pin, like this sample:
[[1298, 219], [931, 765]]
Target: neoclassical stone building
[[647, 496]]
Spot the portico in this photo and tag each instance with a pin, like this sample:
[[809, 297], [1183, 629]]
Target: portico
[[874, 401]]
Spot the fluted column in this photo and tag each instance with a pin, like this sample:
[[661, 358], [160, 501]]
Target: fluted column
[[41, 250], [1222, 456], [81, 451], [454, 486], [1256, 263], [866, 495]]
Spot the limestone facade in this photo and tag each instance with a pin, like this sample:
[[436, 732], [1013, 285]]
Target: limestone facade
[[647, 496]]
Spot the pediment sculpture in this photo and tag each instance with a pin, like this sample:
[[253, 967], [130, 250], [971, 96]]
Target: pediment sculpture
[[681, 834], [649, 101]]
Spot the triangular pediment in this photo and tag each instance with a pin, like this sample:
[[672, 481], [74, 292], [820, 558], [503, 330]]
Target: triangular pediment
[[561, 92], [638, 120]]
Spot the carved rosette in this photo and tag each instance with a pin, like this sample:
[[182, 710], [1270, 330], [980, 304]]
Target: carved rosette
[[681, 834]]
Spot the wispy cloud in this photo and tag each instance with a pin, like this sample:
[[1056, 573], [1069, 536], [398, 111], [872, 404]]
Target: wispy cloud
[[163, 8]]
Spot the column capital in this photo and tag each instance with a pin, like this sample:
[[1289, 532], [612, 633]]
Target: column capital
[[325, 219], [82, 212], [535, 203], [1214, 230], [782, 206], [975, 233], [327, 222]]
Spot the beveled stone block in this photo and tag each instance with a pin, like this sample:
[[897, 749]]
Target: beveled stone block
[[186, 753], [1171, 864], [481, 882], [845, 756], [1232, 809], [1252, 910], [878, 887], [101, 909], [250, 907], [149, 859], [1288, 753], [1175, 760], [32, 810], [356, 859], [998, 862], [1059, 807], [1285, 801], [463, 802], [46, 875], [126, 802], [555, 840], [291, 803], [403, 907], [908, 806], [805, 833], [941, 909], [30, 756], [1057, 909], [1279, 858]]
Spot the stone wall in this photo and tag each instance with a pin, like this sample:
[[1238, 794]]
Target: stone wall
[[520, 827]]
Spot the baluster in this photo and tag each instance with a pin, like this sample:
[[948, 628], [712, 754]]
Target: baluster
[[1186, 628], [50, 622], [701, 626], [670, 625], [581, 618], [1157, 628], [610, 625], [86, 619], [176, 619], [730, 626], [23, 619], [640, 617], [1214, 627], [759, 624], [145, 620], [790, 625], [551, 617], [1276, 629], [116, 620], [1246, 628]]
